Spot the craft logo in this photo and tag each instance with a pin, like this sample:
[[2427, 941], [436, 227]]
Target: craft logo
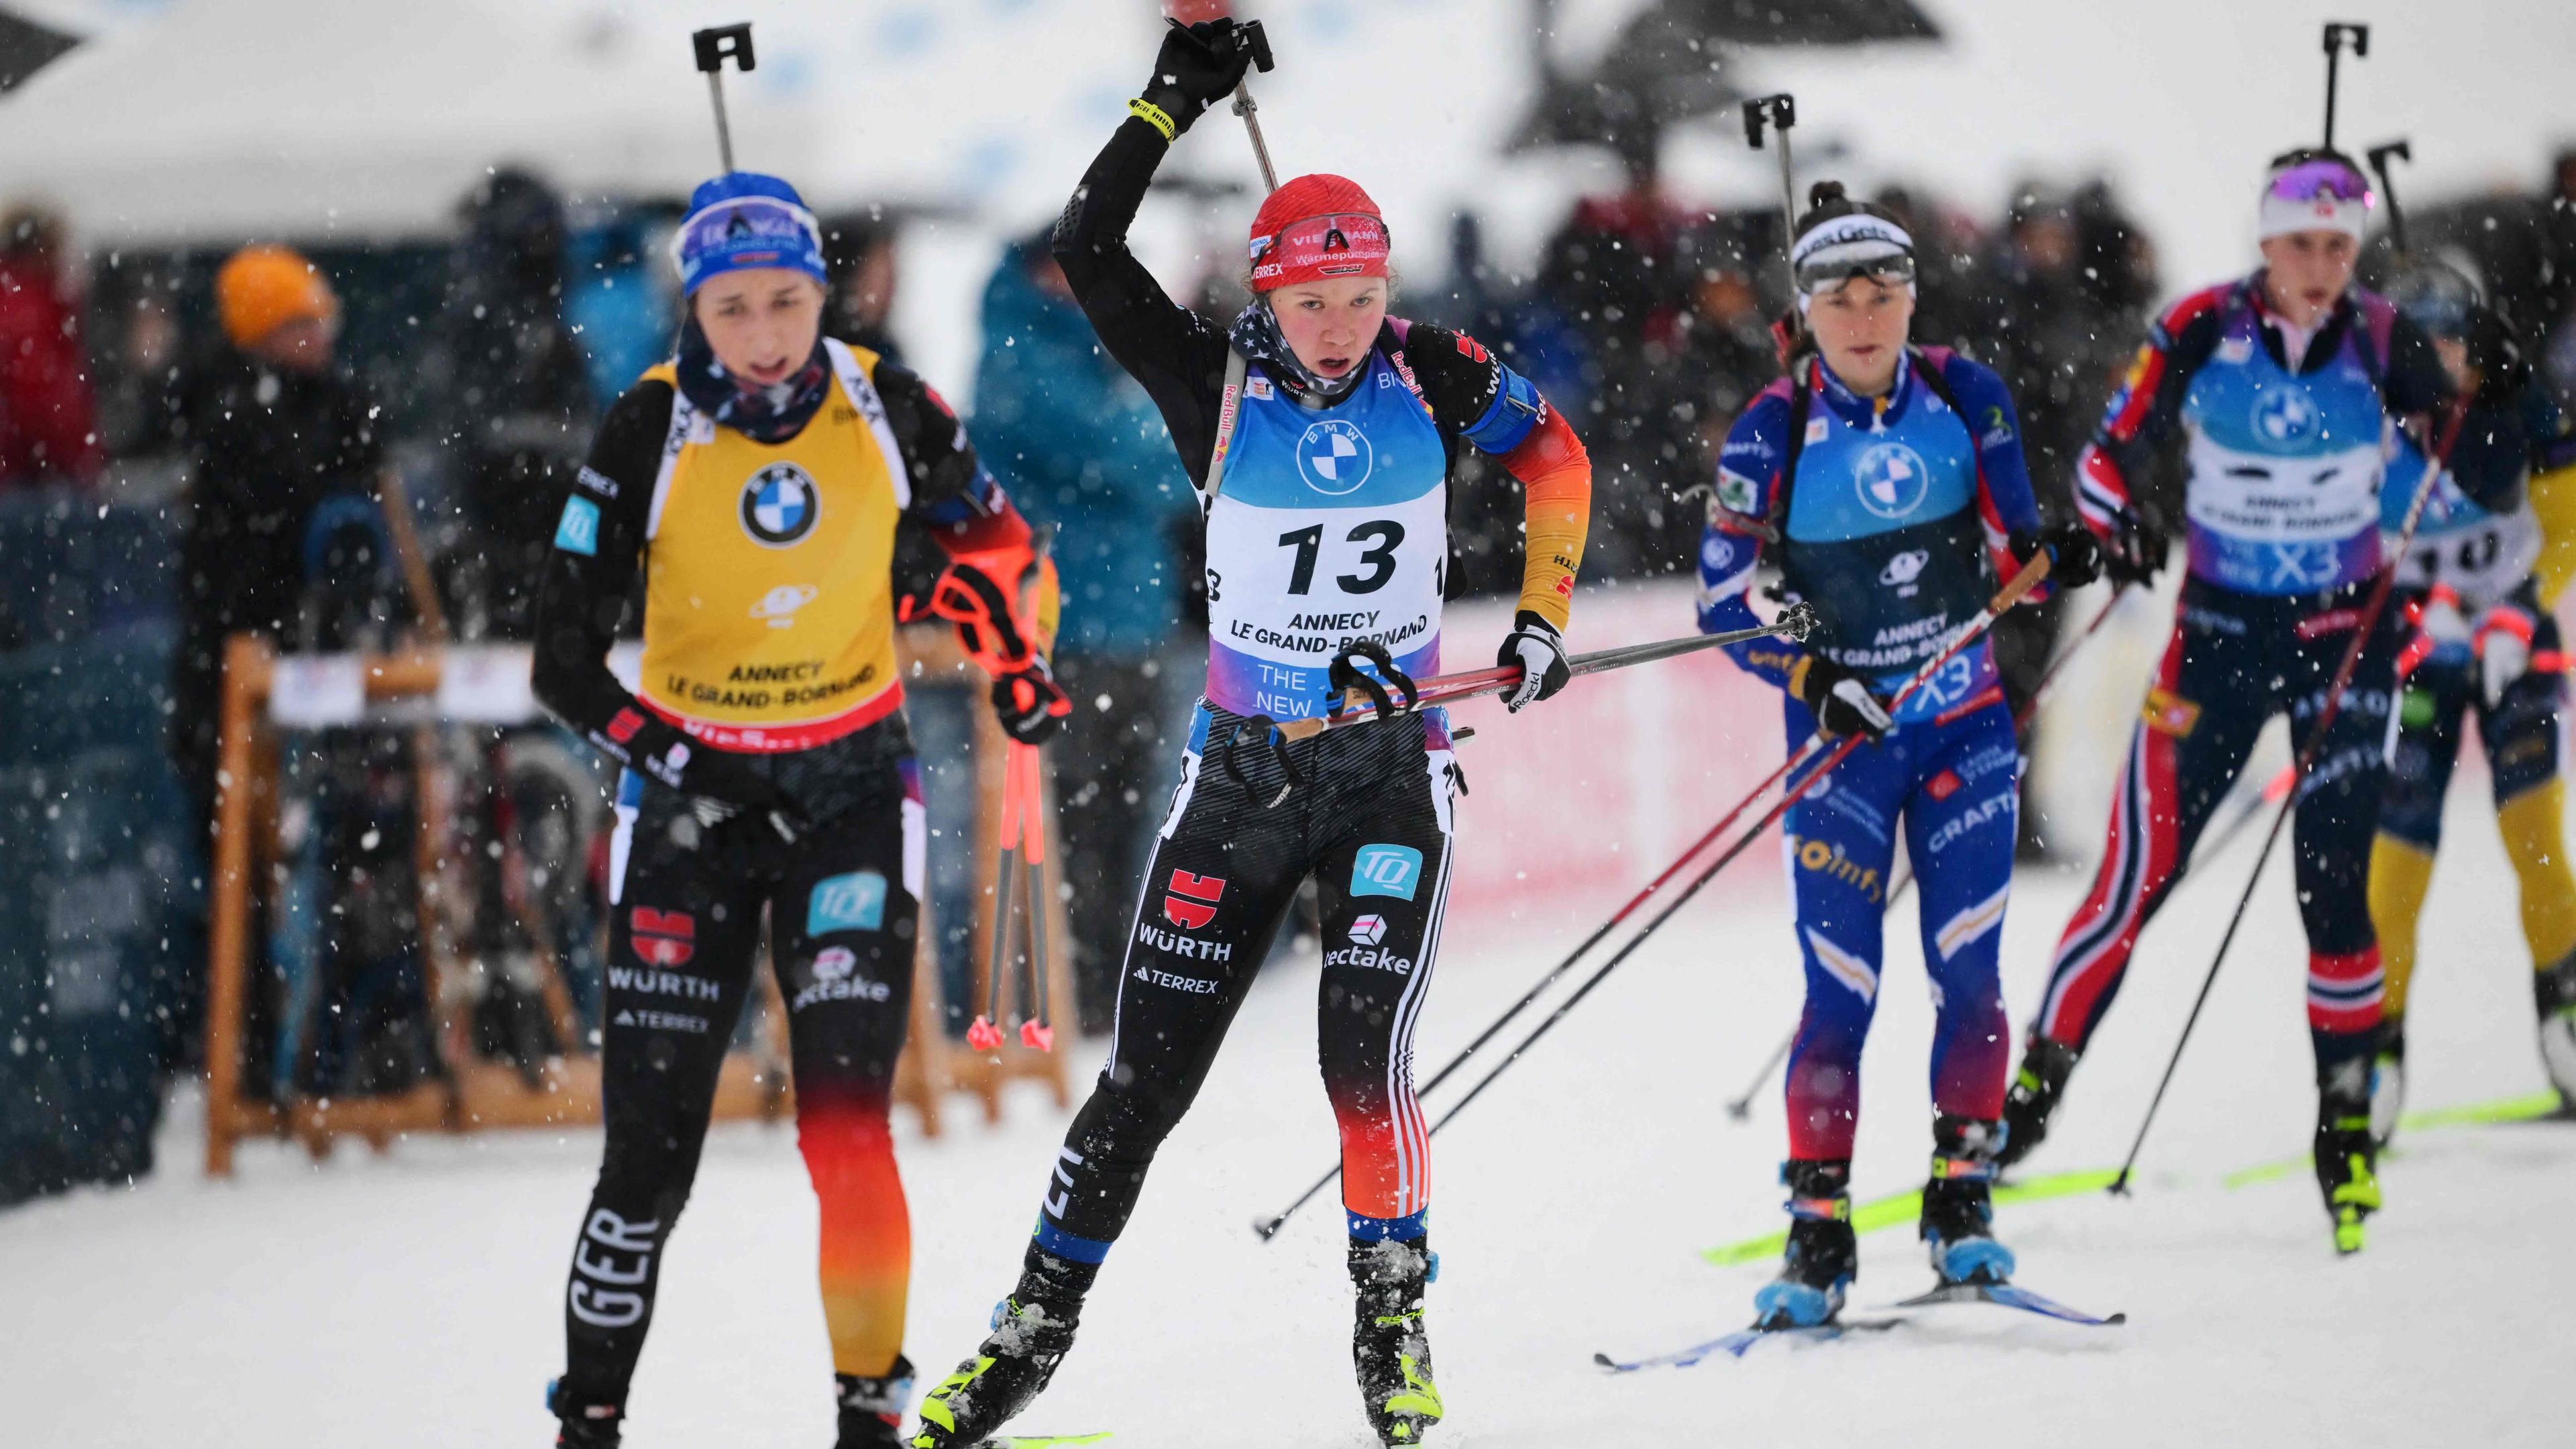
[[664, 938], [1189, 902], [852, 902], [1335, 457], [1386, 870], [780, 505]]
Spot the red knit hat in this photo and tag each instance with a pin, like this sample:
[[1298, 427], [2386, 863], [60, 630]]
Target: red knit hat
[[1316, 227]]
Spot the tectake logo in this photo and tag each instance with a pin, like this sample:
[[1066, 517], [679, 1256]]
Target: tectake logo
[[1386, 870], [1891, 479], [780, 505], [835, 963], [1368, 930], [1335, 457]]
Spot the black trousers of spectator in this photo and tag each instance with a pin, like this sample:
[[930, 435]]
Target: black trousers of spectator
[[1113, 769]]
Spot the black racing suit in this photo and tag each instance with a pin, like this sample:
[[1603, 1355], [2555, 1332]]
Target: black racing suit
[[688, 897]]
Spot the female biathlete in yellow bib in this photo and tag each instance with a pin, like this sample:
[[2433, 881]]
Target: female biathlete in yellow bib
[[787, 496]]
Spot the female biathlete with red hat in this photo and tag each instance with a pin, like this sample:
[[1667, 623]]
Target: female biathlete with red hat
[[1320, 433], [785, 494]]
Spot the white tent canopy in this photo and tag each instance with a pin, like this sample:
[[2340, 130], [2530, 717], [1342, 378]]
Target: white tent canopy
[[306, 117]]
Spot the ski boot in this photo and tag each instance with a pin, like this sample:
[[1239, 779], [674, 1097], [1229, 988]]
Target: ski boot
[[2346, 1158], [1823, 1255], [2554, 992], [1958, 1203], [2045, 1066], [2388, 1081], [1388, 1346], [1032, 1332], [872, 1409], [588, 1423]]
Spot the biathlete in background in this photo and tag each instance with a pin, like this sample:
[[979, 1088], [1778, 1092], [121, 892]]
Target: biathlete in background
[[1886, 483], [2478, 587], [1320, 434], [786, 494], [2280, 389]]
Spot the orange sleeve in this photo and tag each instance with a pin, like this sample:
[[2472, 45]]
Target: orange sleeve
[[1556, 484]]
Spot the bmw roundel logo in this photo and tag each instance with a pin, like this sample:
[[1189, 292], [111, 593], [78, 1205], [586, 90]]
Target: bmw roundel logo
[[780, 505], [1335, 457], [1891, 479], [2284, 414]]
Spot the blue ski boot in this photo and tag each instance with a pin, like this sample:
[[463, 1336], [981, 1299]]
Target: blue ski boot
[[1823, 1256], [1958, 1203]]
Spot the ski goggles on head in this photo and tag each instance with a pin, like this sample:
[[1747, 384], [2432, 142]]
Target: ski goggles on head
[[1825, 273], [2319, 176]]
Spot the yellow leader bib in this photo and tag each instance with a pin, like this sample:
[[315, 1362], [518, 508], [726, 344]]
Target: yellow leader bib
[[769, 595]]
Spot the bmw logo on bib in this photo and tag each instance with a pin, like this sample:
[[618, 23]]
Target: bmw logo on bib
[[1891, 479], [779, 505], [1335, 457], [2284, 415]]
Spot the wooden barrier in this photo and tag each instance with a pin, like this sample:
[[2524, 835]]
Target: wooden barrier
[[472, 1093]]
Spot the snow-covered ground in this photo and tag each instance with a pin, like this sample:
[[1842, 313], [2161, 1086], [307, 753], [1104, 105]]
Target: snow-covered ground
[[412, 1300]]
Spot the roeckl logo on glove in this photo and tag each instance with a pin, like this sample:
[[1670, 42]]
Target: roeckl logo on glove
[[1190, 900]]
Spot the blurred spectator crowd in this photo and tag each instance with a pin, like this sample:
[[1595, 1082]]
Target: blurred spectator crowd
[[362, 446]]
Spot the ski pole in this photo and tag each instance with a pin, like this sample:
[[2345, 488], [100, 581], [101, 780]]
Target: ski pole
[[1037, 1030], [2026, 579], [985, 1034], [1796, 623], [1741, 1109], [2337, 33], [1248, 108], [1269, 1227], [2403, 151], [1781, 111], [2299, 768], [713, 45]]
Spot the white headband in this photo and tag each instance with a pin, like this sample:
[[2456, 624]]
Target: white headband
[[1857, 237], [2282, 215]]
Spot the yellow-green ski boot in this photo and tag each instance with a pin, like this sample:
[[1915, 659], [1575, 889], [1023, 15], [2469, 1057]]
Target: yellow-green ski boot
[[1388, 1345], [1032, 1332], [2347, 1157]]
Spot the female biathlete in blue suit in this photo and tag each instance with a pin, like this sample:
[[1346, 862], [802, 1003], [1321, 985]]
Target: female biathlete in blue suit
[[1886, 483]]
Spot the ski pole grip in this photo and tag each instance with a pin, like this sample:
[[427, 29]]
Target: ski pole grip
[[718, 41], [2337, 32], [1258, 41], [1781, 111]]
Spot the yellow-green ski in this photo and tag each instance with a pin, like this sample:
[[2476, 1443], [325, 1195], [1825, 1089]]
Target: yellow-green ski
[[2529, 1107], [1905, 1208]]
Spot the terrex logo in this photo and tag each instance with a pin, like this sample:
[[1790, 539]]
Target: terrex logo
[[664, 938], [1189, 902]]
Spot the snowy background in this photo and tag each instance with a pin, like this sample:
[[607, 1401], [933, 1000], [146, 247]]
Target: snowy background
[[413, 1299]]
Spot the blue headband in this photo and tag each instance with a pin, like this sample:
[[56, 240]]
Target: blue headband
[[742, 220]]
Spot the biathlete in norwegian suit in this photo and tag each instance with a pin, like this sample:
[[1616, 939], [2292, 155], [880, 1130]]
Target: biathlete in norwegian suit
[[1887, 485], [1321, 436], [2282, 389], [787, 495]]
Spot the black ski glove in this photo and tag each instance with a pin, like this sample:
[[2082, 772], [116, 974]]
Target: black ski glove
[[2074, 556], [1198, 66], [2496, 360], [1841, 699], [1539, 650], [2136, 551], [1030, 704]]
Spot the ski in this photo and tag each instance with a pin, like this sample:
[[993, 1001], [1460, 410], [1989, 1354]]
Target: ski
[[2544, 1105], [1899, 1209], [1038, 1441], [1736, 1344], [2008, 1296]]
